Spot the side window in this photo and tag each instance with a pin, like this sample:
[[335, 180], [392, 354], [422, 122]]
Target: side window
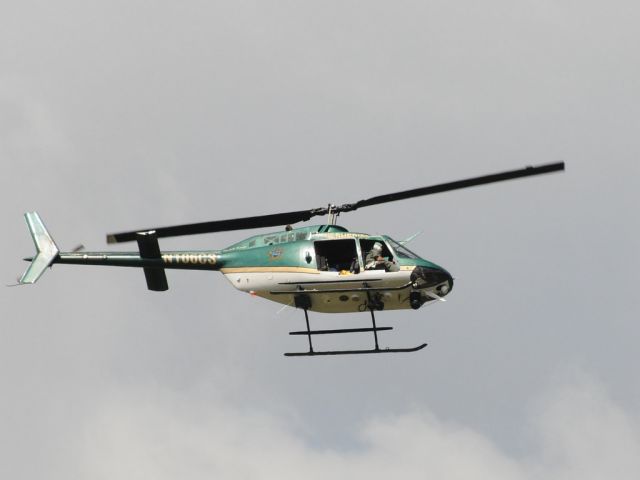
[[367, 245], [337, 255], [271, 239]]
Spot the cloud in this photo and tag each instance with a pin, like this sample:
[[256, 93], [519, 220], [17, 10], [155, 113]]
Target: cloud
[[579, 433], [583, 434], [114, 117]]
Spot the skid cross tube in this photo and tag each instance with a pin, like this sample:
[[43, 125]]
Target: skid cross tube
[[306, 317], [378, 304], [375, 330]]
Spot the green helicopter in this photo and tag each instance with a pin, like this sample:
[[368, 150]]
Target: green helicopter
[[322, 268]]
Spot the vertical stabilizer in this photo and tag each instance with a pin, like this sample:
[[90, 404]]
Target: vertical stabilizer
[[46, 249]]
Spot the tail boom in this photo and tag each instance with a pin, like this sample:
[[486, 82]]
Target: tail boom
[[149, 258]]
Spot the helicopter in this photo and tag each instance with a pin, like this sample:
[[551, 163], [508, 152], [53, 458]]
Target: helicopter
[[322, 268]]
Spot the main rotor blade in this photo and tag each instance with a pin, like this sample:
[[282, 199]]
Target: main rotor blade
[[445, 187], [277, 219]]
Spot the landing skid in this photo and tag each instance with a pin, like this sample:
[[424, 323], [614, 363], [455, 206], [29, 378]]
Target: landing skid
[[303, 301], [355, 352]]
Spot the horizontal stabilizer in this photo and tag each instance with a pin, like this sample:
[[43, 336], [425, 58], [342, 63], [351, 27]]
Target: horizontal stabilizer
[[156, 279], [150, 249]]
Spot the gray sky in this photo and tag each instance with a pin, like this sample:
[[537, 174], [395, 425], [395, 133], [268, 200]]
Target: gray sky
[[118, 115]]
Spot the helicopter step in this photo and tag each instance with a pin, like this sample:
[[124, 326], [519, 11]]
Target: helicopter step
[[365, 288]]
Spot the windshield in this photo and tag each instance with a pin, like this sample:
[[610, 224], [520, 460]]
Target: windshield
[[401, 250]]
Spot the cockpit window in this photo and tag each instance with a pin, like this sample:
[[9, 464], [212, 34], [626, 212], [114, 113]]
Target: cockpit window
[[402, 251]]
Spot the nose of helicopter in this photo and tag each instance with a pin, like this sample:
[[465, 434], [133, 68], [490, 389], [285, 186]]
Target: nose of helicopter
[[425, 277]]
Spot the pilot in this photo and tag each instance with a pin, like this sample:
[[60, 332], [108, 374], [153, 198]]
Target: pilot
[[374, 260]]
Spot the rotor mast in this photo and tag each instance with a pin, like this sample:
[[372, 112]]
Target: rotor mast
[[334, 213]]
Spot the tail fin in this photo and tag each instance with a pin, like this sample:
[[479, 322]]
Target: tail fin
[[47, 251]]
